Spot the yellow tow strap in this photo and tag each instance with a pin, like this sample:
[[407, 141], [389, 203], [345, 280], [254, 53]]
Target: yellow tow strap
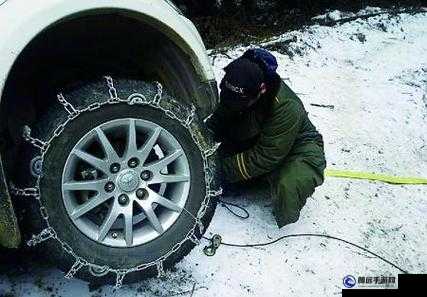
[[378, 177]]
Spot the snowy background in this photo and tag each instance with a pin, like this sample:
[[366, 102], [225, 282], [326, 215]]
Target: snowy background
[[374, 73]]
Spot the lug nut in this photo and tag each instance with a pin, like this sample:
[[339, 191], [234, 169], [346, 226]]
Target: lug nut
[[123, 199], [133, 162], [146, 175], [114, 168], [109, 187], [141, 193]]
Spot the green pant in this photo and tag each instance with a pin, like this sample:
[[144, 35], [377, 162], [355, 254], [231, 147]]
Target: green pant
[[294, 181]]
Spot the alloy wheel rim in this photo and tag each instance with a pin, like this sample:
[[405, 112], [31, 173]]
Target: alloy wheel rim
[[125, 182]]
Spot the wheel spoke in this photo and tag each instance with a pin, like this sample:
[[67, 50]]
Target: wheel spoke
[[149, 144], [151, 216], [170, 178], [157, 166], [108, 222], [89, 205], [108, 148], [90, 185], [131, 148], [128, 217], [156, 198], [92, 160]]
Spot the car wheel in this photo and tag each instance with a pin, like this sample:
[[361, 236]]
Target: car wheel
[[122, 185]]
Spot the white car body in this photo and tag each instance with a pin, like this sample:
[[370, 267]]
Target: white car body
[[21, 21]]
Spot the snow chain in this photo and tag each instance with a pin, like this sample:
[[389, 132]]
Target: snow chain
[[174, 111]]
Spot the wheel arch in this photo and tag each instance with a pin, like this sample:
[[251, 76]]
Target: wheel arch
[[164, 46], [17, 33], [160, 16]]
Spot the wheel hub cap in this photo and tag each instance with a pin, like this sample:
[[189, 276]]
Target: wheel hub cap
[[128, 180]]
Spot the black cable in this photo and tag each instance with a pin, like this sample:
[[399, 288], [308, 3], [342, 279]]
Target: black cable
[[310, 235], [227, 204]]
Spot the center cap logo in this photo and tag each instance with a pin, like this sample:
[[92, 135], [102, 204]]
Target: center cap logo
[[128, 180]]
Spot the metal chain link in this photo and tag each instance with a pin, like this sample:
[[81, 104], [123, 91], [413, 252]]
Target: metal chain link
[[160, 271], [137, 99], [158, 97], [72, 112], [174, 110], [194, 239], [26, 134], [27, 192], [120, 275], [79, 264], [44, 235], [111, 89]]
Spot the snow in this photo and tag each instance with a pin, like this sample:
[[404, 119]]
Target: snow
[[334, 15], [378, 87]]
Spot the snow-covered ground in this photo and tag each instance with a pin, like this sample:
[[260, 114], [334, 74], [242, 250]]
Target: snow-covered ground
[[374, 73]]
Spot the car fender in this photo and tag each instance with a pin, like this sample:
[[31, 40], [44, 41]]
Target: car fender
[[21, 21]]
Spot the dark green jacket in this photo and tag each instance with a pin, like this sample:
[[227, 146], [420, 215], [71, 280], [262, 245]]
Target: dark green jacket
[[266, 140]]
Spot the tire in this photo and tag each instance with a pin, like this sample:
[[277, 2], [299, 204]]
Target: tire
[[51, 184]]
